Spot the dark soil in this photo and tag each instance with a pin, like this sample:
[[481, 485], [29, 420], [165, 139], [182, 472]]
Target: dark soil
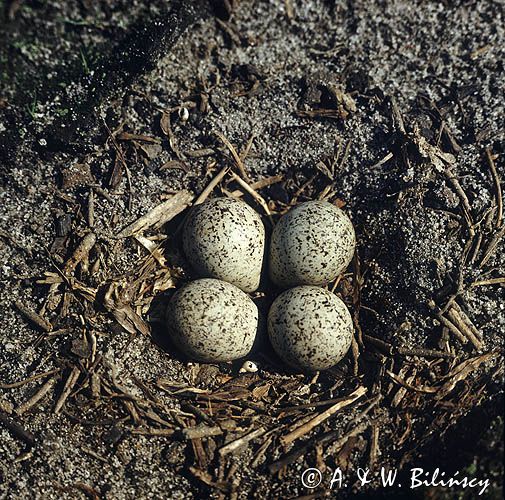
[[391, 110]]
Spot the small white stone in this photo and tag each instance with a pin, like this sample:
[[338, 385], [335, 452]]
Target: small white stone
[[184, 114], [248, 367]]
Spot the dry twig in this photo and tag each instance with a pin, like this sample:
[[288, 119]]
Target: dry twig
[[160, 214], [311, 424]]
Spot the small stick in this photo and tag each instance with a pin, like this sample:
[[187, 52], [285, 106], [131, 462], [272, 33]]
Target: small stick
[[33, 317], [476, 248], [329, 436], [17, 430], [492, 247], [94, 454], [496, 179], [315, 404], [463, 197], [14, 385], [261, 451], [212, 184], [153, 432], [91, 208], [194, 409], [448, 324], [426, 353], [311, 424], [247, 149], [355, 355], [234, 445], [397, 116], [457, 308], [381, 162], [402, 391], [253, 193], [462, 370], [492, 281], [385, 347], [288, 6], [374, 446], [262, 183], [80, 253], [346, 154], [95, 385], [236, 157], [160, 214], [67, 389], [23, 407], [407, 385], [201, 431]]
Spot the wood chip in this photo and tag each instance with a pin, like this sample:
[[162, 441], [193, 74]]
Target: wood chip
[[201, 431], [160, 214], [80, 253]]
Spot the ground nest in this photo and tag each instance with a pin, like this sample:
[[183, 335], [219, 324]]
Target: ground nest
[[95, 400]]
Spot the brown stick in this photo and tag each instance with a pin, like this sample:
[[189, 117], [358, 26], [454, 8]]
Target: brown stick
[[311, 424], [459, 320], [67, 389], [14, 385], [212, 184], [499, 194], [262, 183], [238, 161], [23, 407], [252, 192], [33, 317], [492, 247], [448, 324], [17, 430]]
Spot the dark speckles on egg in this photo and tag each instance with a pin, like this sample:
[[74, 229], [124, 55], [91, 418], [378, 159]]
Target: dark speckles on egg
[[310, 328], [311, 245], [212, 321], [224, 238]]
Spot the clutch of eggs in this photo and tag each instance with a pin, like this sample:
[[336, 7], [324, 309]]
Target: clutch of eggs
[[213, 320]]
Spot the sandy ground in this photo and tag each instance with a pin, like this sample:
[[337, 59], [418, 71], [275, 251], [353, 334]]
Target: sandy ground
[[255, 72]]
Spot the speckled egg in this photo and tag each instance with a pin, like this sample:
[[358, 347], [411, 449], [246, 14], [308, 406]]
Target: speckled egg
[[212, 320], [311, 245], [224, 238], [310, 328]]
